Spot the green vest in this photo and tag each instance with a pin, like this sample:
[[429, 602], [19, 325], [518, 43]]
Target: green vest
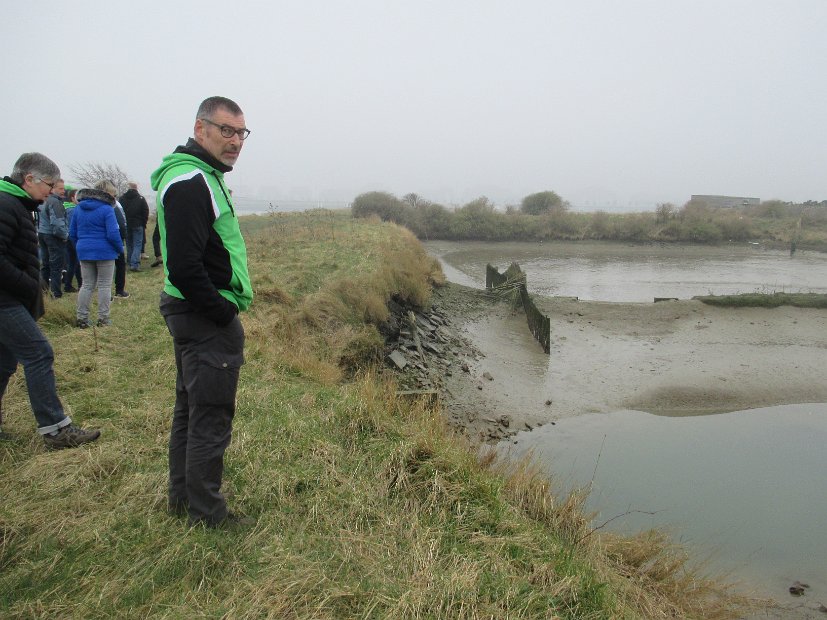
[[180, 167]]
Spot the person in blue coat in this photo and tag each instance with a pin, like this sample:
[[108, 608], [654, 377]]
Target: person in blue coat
[[94, 231]]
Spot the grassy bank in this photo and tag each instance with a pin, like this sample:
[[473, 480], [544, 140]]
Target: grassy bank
[[366, 506], [766, 300]]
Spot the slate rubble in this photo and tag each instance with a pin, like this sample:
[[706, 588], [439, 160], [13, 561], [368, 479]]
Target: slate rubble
[[422, 348]]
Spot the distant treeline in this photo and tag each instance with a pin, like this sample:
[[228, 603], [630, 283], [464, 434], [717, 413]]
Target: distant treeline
[[546, 216]]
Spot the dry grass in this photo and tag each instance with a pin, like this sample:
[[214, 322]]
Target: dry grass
[[366, 506]]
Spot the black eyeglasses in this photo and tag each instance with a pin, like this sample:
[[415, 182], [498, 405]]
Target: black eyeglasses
[[229, 132], [52, 185]]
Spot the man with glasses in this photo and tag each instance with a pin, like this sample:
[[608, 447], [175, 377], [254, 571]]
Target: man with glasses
[[21, 300], [206, 285], [52, 233]]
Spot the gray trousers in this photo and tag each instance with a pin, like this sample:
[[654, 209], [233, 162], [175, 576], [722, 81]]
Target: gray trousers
[[95, 274], [208, 359]]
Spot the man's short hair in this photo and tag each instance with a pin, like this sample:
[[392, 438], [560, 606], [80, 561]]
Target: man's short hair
[[35, 164], [211, 105], [132, 185]]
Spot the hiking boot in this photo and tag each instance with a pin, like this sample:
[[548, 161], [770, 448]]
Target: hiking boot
[[70, 436], [83, 323], [123, 294], [157, 263], [104, 323]]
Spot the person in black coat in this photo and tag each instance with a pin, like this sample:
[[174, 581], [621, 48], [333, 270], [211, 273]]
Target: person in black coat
[[120, 261], [136, 211], [21, 300]]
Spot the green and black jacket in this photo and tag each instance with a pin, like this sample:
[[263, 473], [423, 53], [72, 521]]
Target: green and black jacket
[[205, 258], [19, 261]]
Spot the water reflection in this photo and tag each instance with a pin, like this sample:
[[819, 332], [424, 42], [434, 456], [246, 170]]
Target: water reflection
[[619, 272], [746, 488]]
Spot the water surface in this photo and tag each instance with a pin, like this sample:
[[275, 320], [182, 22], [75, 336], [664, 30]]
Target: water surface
[[625, 272], [746, 489]]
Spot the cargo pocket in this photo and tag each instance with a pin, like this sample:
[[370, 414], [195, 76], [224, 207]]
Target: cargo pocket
[[217, 378]]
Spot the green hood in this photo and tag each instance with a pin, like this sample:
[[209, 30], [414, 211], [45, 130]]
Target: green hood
[[14, 190], [177, 159], [190, 154], [183, 161]]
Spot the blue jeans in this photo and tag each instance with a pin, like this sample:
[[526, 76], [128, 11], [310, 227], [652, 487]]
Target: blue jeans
[[134, 243], [21, 341], [53, 253]]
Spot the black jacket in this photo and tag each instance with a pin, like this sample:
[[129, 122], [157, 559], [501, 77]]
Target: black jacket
[[19, 262], [135, 208]]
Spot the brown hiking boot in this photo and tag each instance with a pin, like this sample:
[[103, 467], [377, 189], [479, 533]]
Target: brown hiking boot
[[70, 437]]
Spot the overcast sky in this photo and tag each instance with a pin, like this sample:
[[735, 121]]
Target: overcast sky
[[607, 103]]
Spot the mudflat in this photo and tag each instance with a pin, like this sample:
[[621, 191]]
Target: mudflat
[[679, 357], [684, 357]]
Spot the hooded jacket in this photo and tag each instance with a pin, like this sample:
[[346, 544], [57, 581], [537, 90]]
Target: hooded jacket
[[205, 258], [19, 262], [53, 219], [94, 229]]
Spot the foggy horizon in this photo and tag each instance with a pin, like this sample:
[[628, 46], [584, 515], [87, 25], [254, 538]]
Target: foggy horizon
[[612, 106]]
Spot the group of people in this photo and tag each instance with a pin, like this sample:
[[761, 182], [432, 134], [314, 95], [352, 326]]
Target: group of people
[[206, 285], [82, 235]]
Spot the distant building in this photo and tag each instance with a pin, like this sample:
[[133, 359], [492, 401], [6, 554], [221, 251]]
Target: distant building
[[726, 201]]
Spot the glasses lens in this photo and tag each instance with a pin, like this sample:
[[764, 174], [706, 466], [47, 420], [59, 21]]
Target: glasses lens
[[229, 132]]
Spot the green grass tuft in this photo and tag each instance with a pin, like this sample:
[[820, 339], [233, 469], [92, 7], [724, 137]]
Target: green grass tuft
[[766, 300]]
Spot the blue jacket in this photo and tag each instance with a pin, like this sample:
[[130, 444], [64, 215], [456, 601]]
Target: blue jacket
[[94, 229]]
